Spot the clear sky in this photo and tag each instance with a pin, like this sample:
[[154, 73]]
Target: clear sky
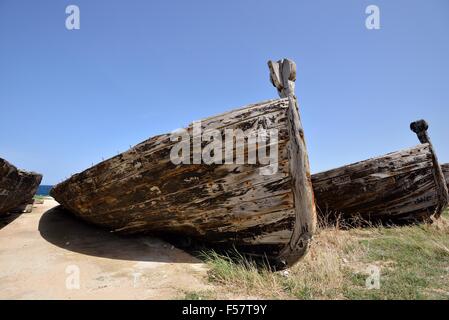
[[139, 68]]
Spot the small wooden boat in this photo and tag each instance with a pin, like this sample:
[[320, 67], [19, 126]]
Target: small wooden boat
[[402, 186], [17, 187], [142, 190]]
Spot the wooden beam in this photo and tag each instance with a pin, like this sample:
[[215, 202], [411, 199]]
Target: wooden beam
[[420, 127], [283, 76]]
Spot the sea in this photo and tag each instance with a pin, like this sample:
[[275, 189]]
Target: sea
[[43, 190]]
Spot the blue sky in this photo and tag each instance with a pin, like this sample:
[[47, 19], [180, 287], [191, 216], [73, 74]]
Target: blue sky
[[140, 68]]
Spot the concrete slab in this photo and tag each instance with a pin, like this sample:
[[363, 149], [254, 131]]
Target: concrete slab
[[48, 254]]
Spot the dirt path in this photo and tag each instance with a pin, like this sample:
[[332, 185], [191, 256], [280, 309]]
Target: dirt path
[[43, 252]]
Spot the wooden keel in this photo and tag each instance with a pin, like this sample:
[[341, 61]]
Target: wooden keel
[[402, 186], [143, 191], [17, 187]]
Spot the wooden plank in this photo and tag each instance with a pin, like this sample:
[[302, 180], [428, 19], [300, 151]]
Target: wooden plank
[[420, 128], [283, 75]]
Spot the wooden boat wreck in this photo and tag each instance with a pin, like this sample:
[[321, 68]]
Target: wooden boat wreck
[[400, 187], [17, 187], [266, 215]]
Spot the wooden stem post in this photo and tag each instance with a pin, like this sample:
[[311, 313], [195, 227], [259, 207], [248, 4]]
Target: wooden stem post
[[445, 168], [420, 128], [283, 76]]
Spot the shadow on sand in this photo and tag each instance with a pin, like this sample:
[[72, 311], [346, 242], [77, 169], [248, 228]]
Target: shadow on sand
[[6, 219], [66, 231]]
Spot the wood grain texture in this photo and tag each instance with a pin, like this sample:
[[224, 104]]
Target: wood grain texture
[[402, 186], [142, 191], [283, 75], [17, 187], [399, 186], [445, 168], [420, 128]]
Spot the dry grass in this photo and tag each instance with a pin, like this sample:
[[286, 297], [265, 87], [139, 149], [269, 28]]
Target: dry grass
[[414, 264], [321, 274]]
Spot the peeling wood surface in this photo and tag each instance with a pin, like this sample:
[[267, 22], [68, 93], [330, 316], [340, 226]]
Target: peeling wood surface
[[420, 128], [141, 190], [283, 77], [399, 186], [445, 168], [17, 187]]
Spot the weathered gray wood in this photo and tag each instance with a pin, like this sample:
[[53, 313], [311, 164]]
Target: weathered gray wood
[[17, 187], [283, 75], [445, 168], [142, 190], [420, 128], [400, 186], [397, 186]]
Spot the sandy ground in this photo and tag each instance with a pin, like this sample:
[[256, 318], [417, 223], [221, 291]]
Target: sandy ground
[[48, 254]]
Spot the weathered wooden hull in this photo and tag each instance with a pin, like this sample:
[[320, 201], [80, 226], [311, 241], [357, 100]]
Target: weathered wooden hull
[[142, 190], [445, 168], [399, 186], [17, 187]]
